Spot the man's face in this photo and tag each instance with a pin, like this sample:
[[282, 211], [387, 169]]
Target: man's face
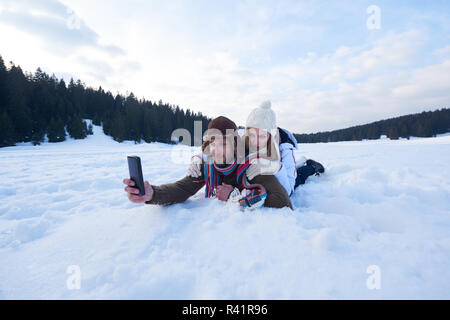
[[222, 149]]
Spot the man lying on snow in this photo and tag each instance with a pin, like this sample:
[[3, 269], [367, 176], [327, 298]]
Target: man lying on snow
[[223, 166]]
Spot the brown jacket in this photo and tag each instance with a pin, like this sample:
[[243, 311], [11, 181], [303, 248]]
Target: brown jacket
[[181, 190]]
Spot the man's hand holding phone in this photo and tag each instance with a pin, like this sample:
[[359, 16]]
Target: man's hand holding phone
[[138, 191], [133, 192]]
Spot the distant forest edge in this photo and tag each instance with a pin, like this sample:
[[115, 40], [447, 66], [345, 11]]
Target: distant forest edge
[[35, 105], [425, 124]]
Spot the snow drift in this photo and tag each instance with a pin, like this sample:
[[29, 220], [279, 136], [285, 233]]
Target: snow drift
[[383, 203]]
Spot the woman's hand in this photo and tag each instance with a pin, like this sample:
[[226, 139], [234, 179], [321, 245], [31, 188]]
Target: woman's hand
[[132, 192], [261, 166]]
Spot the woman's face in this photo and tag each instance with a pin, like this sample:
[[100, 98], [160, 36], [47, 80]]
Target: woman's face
[[258, 138]]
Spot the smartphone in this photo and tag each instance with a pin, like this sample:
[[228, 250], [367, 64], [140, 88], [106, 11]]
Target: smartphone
[[135, 168]]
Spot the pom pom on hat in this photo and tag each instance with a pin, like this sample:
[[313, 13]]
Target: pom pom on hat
[[262, 117], [266, 104]]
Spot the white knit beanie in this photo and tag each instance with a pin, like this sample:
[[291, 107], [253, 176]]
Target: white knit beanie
[[262, 117]]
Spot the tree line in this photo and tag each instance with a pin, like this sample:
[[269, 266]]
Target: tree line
[[35, 106], [425, 124]]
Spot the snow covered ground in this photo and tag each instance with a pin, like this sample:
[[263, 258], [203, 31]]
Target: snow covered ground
[[383, 203]]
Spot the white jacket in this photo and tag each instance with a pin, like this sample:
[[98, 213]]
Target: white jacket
[[288, 172]]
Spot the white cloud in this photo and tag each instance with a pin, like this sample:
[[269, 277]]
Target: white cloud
[[50, 35], [443, 52], [225, 59], [58, 26], [383, 86]]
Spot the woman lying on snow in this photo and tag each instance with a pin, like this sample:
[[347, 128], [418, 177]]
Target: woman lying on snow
[[249, 180], [222, 168], [271, 152]]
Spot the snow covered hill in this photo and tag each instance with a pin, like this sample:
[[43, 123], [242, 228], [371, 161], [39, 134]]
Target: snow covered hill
[[383, 203]]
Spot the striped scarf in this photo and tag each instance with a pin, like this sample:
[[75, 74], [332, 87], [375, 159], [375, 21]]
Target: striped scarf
[[213, 175]]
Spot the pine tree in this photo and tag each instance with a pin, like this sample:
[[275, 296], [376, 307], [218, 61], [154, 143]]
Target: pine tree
[[77, 128], [3, 87], [147, 130], [393, 133], [118, 128], [7, 131], [16, 105], [37, 137], [404, 131], [56, 131], [90, 129]]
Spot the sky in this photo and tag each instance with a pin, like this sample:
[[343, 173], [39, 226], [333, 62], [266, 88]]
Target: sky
[[325, 65]]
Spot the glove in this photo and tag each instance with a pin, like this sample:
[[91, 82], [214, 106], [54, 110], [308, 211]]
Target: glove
[[195, 168], [261, 166], [245, 201], [235, 195], [252, 202]]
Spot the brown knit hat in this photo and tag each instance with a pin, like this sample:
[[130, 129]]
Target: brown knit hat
[[222, 124]]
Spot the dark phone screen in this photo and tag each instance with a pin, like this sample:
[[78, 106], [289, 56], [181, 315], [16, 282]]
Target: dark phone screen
[[135, 168]]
